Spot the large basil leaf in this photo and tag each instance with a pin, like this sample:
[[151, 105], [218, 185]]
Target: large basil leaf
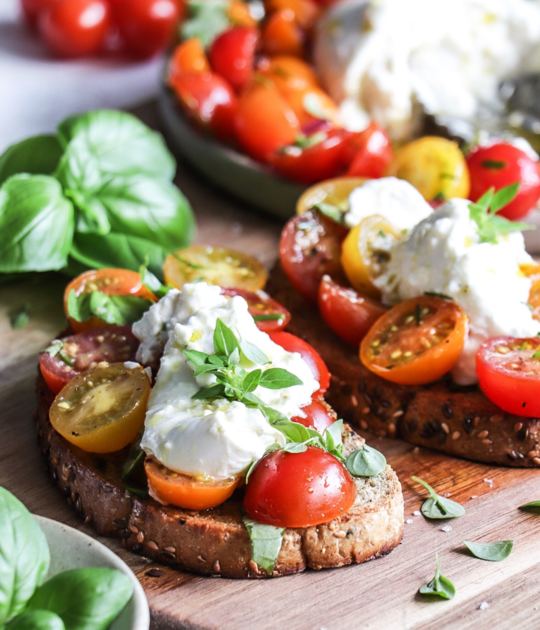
[[85, 599], [95, 251], [36, 620], [145, 207], [36, 156], [265, 543], [24, 556], [114, 143], [36, 224]]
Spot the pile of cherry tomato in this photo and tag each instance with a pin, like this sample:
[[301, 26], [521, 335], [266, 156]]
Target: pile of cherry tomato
[[83, 28]]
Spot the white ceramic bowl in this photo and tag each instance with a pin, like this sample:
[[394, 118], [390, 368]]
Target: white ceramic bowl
[[71, 549]]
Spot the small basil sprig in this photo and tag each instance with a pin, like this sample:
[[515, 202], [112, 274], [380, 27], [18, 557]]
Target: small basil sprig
[[533, 506], [439, 585], [493, 552], [113, 309], [437, 507], [151, 282], [265, 543], [366, 462]]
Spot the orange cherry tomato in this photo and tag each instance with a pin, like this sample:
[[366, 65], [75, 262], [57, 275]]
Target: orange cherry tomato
[[239, 14], [189, 56], [109, 281], [288, 72], [305, 12], [264, 121], [184, 491], [416, 342], [282, 35]]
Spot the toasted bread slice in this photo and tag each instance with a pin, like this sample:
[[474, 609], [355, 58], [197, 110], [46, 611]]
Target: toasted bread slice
[[215, 542], [457, 420]]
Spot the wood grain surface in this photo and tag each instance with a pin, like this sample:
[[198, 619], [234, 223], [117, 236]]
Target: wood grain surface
[[377, 595]]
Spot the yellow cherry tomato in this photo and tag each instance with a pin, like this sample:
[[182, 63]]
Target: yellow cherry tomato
[[102, 410], [365, 251], [333, 192], [215, 265], [435, 166]]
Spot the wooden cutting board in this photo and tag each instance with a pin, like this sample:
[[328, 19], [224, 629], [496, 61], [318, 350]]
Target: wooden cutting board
[[381, 594]]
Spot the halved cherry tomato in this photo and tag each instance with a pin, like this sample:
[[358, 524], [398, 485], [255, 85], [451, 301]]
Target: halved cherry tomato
[[66, 358], [368, 153], [102, 410], [349, 314], [215, 265], [365, 252], [208, 99], [264, 121], [333, 192], [288, 72], [310, 247], [319, 416], [299, 489], [292, 343], [508, 372], [310, 159], [75, 28], [232, 55], [416, 342], [239, 14], [434, 166], [502, 164], [189, 56], [305, 12], [109, 281], [269, 315], [281, 35], [184, 491]]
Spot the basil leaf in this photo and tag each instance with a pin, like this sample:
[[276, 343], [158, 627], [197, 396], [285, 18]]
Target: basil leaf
[[96, 251], [213, 391], [196, 357], [112, 309], [439, 585], [297, 447], [225, 341], [331, 211], [251, 381], [365, 462], [20, 317], [85, 599], [206, 19], [113, 143], [54, 348], [503, 197], [234, 357], [36, 224], [252, 353], [532, 506], [333, 435], [265, 543], [35, 156], [24, 556], [134, 460], [278, 378], [494, 552], [36, 620], [437, 507], [151, 282]]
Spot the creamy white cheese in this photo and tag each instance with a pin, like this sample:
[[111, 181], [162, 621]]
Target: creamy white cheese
[[383, 58], [394, 199], [444, 254], [216, 439]]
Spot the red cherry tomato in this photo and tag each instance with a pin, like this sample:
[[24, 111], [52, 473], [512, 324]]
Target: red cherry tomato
[[32, 8], [509, 374], [312, 159], [319, 416], [75, 28], [292, 343], [68, 357], [310, 247], [264, 121], [232, 55], [502, 164], [208, 99], [368, 153], [270, 316], [146, 26], [299, 489], [349, 314]]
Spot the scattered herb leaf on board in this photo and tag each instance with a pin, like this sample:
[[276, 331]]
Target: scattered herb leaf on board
[[439, 585], [494, 551], [532, 506], [437, 507]]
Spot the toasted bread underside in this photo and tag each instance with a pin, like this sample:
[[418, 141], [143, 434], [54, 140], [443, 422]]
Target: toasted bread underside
[[458, 421], [215, 542]]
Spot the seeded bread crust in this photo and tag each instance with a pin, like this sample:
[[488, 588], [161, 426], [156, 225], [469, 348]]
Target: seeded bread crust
[[215, 542], [460, 421]]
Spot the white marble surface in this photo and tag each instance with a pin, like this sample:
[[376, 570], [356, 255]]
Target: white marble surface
[[37, 91]]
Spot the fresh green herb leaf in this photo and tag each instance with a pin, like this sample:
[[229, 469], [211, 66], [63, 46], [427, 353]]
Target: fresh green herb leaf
[[206, 19], [333, 438], [113, 309], [306, 142], [196, 357], [532, 506], [442, 296], [494, 165], [54, 348], [20, 317], [268, 318], [212, 391], [333, 212], [85, 599], [34, 156], [439, 585], [151, 282], [494, 552], [24, 556], [312, 105], [297, 447], [36, 620], [278, 378], [134, 460], [252, 380], [437, 507], [66, 359], [225, 341], [536, 355], [252, 353], [138, 492], [366, 462], [265, 543], [503, 197]]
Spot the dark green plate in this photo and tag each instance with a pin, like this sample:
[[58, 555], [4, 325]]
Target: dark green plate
[[234, 172]]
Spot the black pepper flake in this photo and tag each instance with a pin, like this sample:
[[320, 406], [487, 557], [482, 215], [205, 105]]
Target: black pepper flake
[[137, 548]]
